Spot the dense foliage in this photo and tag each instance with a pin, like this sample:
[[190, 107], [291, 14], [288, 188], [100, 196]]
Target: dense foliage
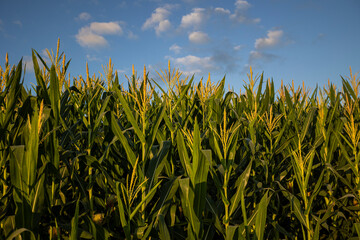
[[93, 159]]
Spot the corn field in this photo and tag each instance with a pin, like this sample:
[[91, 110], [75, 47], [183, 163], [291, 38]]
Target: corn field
[[89, 158]]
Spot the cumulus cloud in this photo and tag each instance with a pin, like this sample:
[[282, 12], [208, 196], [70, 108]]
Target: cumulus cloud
[[273, 39], [91, 36], [106, 28], [222, 10], [219, 59], [191, 64], [87, 38], [84, 16], [239, 15], [193, 19], [242, 5], [158, 20], [198, 37], [175, 48]]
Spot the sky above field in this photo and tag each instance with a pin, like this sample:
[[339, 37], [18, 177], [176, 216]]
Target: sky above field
[[310, 41]]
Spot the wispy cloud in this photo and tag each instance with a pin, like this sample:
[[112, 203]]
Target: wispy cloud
[[175, 48], [84, 16], [238, 47], [225, 59], [92, 35], [159, 20], [319, 38], [198, 37], [256, 56], [18, 22], [240, 13], [272, 39], [194, 19], [132, 35], [92, 58], [190, 1]]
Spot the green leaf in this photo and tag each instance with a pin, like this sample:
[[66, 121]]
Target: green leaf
[[54, 95], [357, 228], [260, 221], [119, 134], [231, 232], [155, 164], [130, 116], [241, 183], [187, 202], [124, 223], [74, 223], [184, 157], [143, 201], [164, 232], [18, 232]]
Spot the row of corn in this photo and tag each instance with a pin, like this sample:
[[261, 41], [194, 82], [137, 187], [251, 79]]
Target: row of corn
[[90, 158]]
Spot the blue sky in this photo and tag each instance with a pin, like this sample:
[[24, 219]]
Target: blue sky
[[310, 40]]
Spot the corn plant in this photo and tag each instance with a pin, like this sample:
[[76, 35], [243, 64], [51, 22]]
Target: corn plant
[[106, 157]]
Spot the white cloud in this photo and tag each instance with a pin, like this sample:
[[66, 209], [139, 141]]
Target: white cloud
[[221, 10], [91, 36], [163, 26], [219, 59], [84, 16], [242, 5], [273, 39], [158, 20], [87, 38], [175, 48], [239, 15], [106, 28], [193, 64], [198, 37], [193, 19]]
